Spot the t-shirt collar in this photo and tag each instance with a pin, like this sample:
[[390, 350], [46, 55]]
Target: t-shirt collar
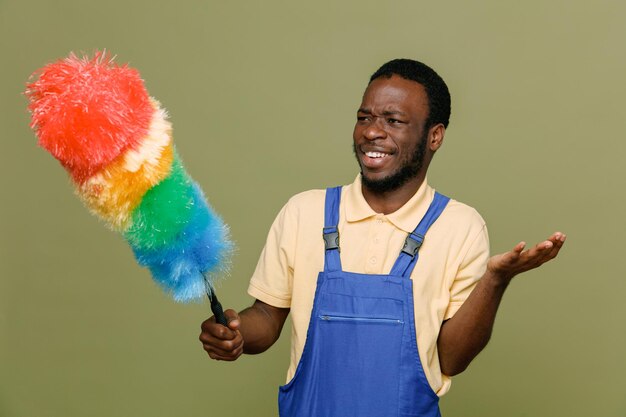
[[406, 217]]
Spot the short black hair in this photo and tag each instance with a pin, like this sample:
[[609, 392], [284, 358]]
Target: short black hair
[[436, 89]]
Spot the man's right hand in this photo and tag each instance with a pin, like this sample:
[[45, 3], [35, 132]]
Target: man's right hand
[[260, 325], [220, 342]]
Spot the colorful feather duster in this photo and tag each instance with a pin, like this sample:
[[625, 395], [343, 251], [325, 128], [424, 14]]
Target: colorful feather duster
[[98, 120]]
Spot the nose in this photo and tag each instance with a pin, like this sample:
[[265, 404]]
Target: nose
[[374, 130]]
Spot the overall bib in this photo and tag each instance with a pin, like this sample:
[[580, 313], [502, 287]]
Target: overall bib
[[360, 356]]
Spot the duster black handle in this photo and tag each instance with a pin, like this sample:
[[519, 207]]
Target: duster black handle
[[216, 307]]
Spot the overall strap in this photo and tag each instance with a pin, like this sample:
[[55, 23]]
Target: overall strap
[[410, 252], [332, 261]]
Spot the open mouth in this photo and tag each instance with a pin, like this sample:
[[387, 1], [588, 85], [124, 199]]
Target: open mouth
[[376, 155], [374, 159]]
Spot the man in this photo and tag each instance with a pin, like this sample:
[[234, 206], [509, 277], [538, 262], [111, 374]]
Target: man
[[396, 309]]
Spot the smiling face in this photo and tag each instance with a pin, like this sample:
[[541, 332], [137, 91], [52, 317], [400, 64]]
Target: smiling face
[[390, 139]]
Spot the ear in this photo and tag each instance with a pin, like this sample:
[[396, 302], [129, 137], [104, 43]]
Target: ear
[[435, 137]]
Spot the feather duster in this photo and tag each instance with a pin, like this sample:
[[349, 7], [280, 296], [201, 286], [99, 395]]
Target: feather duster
[[115, 141]]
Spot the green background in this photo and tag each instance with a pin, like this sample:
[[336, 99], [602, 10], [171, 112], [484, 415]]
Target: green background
[[263, 97]]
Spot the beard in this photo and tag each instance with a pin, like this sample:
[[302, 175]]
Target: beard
[[407, 171]]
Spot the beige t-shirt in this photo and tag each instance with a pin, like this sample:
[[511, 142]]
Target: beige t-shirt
[[452, 259]]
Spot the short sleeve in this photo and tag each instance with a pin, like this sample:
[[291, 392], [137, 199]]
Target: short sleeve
[[273, 277], [472, 268]]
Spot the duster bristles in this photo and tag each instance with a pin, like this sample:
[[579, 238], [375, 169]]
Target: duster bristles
[[87, 111], [200, 249], [117, 189], [97, 119], [164, 211]]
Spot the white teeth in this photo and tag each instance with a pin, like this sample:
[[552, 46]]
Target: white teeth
[[375, 154]]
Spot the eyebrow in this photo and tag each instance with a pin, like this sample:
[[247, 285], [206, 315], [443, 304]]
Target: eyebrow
[[385, 113]]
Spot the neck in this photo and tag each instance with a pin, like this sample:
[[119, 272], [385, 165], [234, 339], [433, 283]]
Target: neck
[[389, 201]]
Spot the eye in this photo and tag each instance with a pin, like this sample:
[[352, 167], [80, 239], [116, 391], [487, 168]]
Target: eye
[[393, 121], [362, 118]]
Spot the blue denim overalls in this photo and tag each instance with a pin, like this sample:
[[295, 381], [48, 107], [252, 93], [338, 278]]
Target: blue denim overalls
[[360, 357]]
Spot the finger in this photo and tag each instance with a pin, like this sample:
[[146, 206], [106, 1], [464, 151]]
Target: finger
[[560, 239], [220, 358], [543, 251], [223, 358], [224, 351], [558, 244], [224, 344], [216, 356], [227, 348], [232, 319], [539, 249], [513, 255], [503, 260], [210, 327], [534, 256], [557, 237], [519, 247]]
